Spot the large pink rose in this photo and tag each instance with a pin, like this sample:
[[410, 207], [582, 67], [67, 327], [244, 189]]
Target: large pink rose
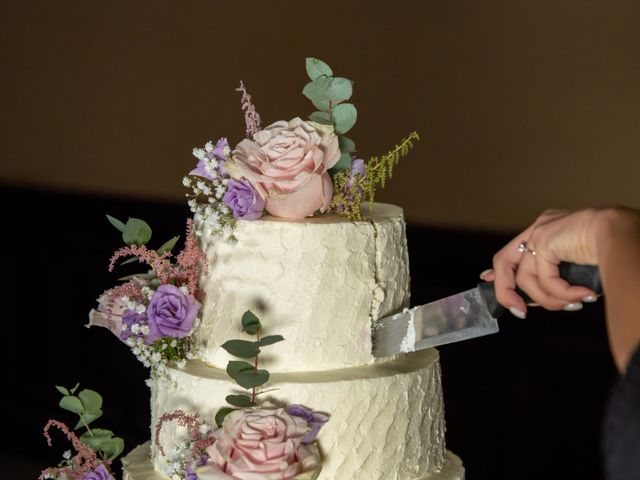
[[287, 163], [261, 444]]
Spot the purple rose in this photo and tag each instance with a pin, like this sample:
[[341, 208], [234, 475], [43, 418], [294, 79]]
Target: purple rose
[[315, 420], [171, 313], [357, 168], [130, 317], [245, 202], [100, 473], [218, 153], [189, 474]]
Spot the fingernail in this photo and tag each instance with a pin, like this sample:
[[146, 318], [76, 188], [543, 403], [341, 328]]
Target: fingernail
[[485, 273], [516, 312], [589, 299], [572, 307]]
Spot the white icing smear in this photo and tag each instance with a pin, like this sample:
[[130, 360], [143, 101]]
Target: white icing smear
[[408, 343]]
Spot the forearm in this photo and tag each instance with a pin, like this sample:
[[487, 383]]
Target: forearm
[[618, 252]]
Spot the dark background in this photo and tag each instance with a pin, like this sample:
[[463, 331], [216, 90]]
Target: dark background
[[525, 403]]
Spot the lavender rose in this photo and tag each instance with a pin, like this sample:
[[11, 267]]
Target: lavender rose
[[245, 202], [315, 420], [100, 473], [171, 313], [129, 318]]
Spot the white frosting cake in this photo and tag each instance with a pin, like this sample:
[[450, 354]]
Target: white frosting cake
[[319, 282]]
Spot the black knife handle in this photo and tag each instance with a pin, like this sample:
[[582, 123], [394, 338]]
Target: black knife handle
[[581, 275]]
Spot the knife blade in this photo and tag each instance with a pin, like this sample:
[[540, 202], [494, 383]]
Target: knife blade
[[462, 316]]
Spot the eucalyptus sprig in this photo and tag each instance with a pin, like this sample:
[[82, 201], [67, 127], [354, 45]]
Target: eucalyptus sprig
[[88, 406], [327, 93], [247, 375]]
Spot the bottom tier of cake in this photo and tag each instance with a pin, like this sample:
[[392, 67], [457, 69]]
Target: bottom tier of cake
[[386, 419]]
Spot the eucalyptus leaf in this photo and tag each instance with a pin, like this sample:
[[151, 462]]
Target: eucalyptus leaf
[[136, 232], [346, 144], [73, 390], [113, 447], [242, 401], [116, 223], [343, 164], [270, 340], [241, 348], [155, 283], [63, 390], [252, 378], [318, 92], [91, 400], [251, 323], [340, 89], [235, 367], [344, 117], [71, 403], [222, 414], [96, 437], [168, 245], [321, 117], [87, 418], [316, 68]]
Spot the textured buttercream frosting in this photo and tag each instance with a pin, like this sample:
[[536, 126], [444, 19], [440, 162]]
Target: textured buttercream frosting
[[386, 420], [319, 282]]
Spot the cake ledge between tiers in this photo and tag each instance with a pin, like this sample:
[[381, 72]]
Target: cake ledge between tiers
[[400, 364], [137, 466]]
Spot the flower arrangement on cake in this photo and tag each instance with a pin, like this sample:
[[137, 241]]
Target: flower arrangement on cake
[[95, 449]]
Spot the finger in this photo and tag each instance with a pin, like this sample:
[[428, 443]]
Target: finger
[[488, 275], [552, 283], [528, 282]]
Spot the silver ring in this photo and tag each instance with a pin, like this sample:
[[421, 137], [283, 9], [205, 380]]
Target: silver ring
[[523, 247]]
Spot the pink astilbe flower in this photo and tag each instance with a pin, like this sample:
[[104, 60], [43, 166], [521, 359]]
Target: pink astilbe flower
[[251, 117], [192, 261], [189, 421], [84, 461], [159, 263], [130, 289]]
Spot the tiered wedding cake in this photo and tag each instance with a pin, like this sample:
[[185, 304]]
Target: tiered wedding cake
[[258, 332], [319, 282]]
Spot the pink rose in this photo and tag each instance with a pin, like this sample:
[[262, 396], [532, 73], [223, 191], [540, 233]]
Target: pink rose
[[261, 444], [287, 164]]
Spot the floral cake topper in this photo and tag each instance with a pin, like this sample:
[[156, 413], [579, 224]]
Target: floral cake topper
[[290, 169]]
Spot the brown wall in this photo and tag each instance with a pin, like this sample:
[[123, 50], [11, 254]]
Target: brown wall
[[521, 105]]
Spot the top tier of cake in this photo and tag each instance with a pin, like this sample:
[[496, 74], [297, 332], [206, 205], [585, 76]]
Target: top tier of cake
[[319, 282]]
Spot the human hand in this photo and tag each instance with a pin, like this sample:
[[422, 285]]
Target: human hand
[[555, 236]]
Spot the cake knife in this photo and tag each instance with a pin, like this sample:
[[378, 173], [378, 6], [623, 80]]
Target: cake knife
[[470, 314]]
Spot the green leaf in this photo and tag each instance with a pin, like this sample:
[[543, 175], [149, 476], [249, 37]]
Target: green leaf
[[340, 90], [96, 438], [270, 340], [316, 68], [250, 323], [87, 418], [242, 401], [168, 245], [241, 348], [346, 144], [236, 367], [143, 276], [113, 448], [321, 117], [252, 378], [136, 232], [91, 400], [116, 223], [155, 283], [130, 260], [62, 390], [343, 164], [73, 390], [318, 92], [71, 403], [344, 117], [222, 414]]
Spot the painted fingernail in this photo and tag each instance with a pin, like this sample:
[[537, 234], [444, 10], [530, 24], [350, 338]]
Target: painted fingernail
[[572, 307], [589, 299], [485, 273], [516, 312]]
